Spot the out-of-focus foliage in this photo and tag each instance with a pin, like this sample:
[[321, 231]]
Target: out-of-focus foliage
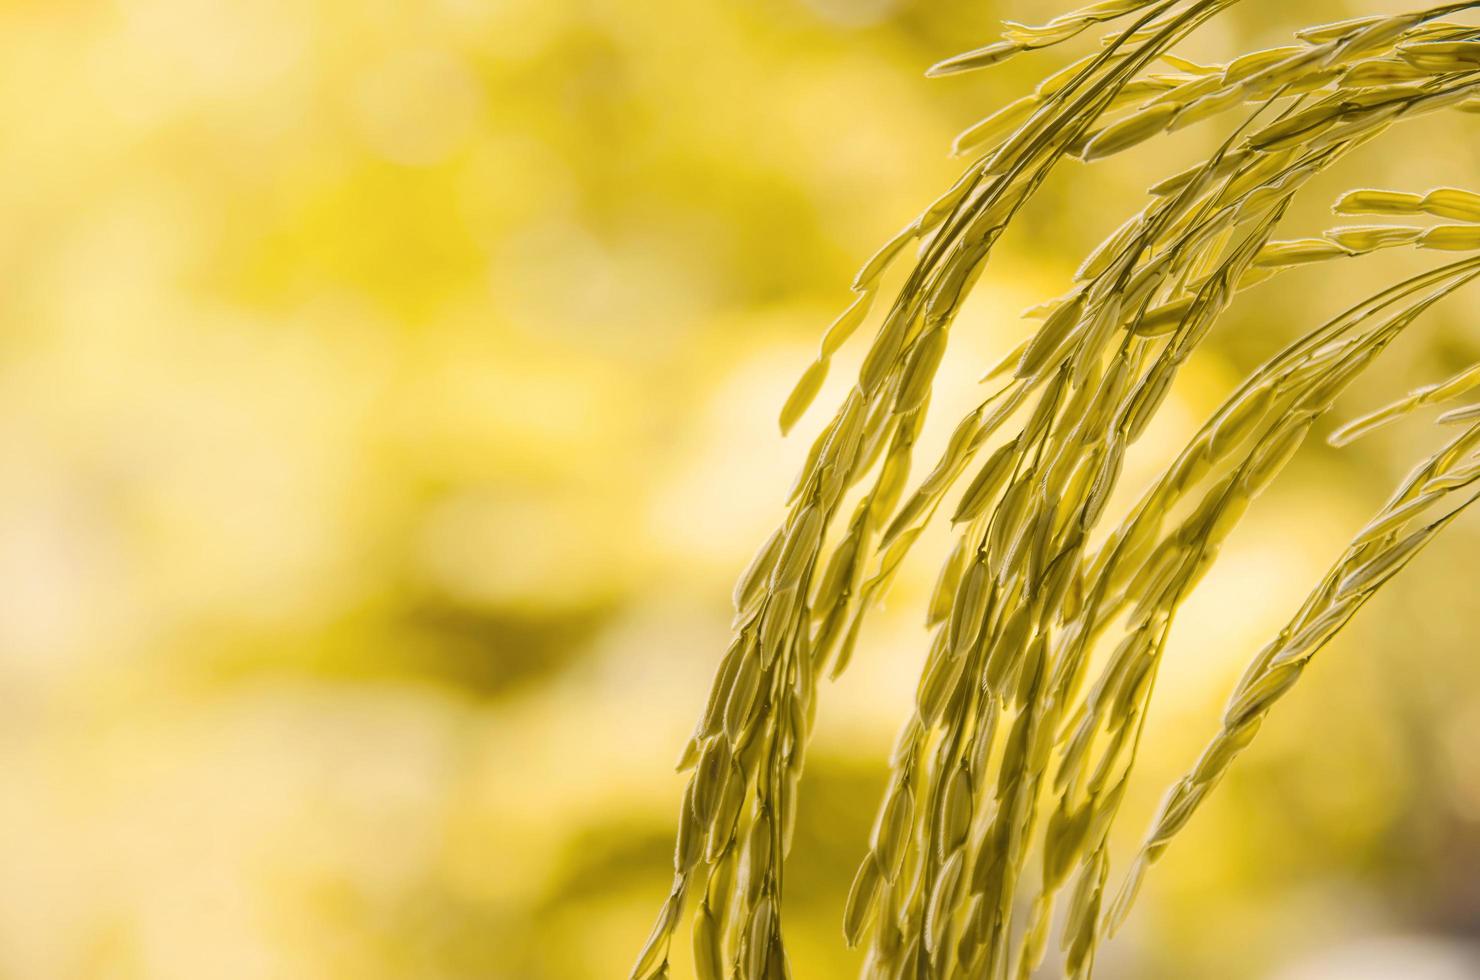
[[387, 399]]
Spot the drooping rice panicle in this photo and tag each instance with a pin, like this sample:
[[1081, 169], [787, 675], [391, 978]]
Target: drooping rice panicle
[[1375, 555], [1014, 745]]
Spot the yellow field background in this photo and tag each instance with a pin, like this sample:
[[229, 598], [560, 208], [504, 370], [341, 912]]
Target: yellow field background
[[387, 402]]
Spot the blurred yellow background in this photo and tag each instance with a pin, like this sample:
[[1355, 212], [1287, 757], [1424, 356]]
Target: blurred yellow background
[[387, 400]]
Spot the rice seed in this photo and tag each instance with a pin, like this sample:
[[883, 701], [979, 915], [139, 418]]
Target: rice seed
[[1081, 930], [1371, 574], [938, 682], [1314, 635], [802, 395], [1452, 386], [1098, 262], [690, 844], [758, 939], [840, 580], [1011, 521], [708, 957], [892, 832], [1059, 29], [861, 900], [919, 372], [1057, 81], [1456, 416], [1128, 132], [1367, 238], [970, 608], [943, 206], [988, 481], [1164, 319], [653, 949], [1259, 695], [1442, 56], [846, 324], [713, 769], [1051, 337], [1371, 201], [1007, 650], [995, 126], [1177, 808], [1030, 669], [1063, 840], [873, 268], [689, 756], [938, 914], [955, 813], [1359, 427], [777, 626], [1454, 238], [1394, 518], [1336, 30], [1248, 65], [726, 813], [1147, 398], [943, 595], [1381, 33], [1451, 202], [847, 643], [1085, 361], [1236, 422], [800, 544], [742, 697], [719, 692], [758, 853], [1105, 476], [1278, 254], [884, 351], [983, 57], [1222, 750], [1454, 479], [1378, 72], [1276, 451], [1295, 129], [756, 573]]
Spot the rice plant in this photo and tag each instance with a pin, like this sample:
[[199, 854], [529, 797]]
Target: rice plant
[[1048, 620]]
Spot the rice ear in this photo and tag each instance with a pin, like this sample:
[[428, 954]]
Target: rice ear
[[1023, 734]]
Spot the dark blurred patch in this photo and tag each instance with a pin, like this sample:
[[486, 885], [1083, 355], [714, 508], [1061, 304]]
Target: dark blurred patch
[[616, 857], [492, 652], [426, 930], [613, 852], [836, 810]]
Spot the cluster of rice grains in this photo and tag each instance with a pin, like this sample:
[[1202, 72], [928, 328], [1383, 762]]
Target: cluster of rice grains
[[1010, 771]]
